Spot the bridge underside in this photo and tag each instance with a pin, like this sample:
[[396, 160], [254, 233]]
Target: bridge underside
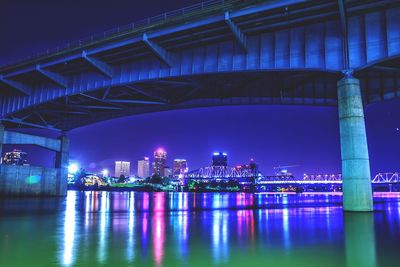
[[222, 53], [284, 87]]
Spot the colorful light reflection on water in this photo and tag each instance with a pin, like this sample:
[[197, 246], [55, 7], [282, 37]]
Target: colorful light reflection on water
[[188, 229]]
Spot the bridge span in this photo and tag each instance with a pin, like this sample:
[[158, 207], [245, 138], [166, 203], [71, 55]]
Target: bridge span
[[246, 176], [341, 53]]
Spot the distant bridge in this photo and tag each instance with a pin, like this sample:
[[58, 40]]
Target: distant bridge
[[220, 172], [228, 173]]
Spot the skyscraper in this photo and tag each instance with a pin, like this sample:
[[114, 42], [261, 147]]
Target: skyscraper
[[159, 163], [180, 167], [220, 159], [144, 168], [122, 168]]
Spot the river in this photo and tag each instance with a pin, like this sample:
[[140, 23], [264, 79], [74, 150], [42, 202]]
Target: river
[[197, 229]]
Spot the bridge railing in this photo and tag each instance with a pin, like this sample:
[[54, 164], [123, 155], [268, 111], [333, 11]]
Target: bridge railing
[[159, 19]]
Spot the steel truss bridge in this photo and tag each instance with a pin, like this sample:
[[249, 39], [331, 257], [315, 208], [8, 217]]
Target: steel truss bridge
[[219, 172], [220, 52], [246, 176], [386, 178]]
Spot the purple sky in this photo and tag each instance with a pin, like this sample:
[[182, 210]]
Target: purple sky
[[272, 135]]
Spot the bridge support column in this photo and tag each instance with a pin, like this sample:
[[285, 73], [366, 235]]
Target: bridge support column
[[62, 161], [357, 191]]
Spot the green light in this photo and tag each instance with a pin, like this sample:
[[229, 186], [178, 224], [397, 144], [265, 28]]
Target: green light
[[33, 179]]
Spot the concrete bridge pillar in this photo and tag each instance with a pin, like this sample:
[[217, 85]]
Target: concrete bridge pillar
[[357, 191], [62, 161]]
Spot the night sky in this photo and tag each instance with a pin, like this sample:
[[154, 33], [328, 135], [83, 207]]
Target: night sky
[[272, 135]]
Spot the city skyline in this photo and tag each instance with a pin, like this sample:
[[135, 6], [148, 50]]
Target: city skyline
[[311, 153]]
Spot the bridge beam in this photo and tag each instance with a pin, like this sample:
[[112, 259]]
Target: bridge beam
[[138, 90], [19, 121], [161, 53], [54, 77], [357, 191], [16, 138], [236, 31], [100, 66], [19, 87], [133, 101]]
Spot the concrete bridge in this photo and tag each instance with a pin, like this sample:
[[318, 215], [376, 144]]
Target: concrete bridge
[[341, 53]]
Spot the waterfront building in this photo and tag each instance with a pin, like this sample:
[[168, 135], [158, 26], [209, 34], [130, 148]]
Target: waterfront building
[[122, 168], [144, 168], [180, 167], [159, 163], [15, 157], [220, 159]]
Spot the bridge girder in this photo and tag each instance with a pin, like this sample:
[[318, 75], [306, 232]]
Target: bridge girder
[[161, 53], [18, 86], [236, 31], [100, 66], [52, 76]]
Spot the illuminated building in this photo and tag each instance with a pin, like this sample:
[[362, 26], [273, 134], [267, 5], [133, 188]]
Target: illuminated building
[[220, 159], [144, 168], [122, 168], [15, 157], [159, 163], [180, 167], [167, 172]]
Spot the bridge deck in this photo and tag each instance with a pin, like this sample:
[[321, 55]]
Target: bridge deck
[[221, 53]]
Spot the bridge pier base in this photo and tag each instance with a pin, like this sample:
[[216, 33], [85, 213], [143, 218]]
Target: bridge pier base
[[26, 180], [357, 190]]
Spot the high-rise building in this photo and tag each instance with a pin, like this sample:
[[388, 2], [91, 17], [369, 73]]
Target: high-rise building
[[180, 167], [144, 168], [122, 168], [167, 172], [15, 157], [220, 159], [159, 163]]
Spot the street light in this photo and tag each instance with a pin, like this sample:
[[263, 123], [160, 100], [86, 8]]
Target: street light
[[73, 168]]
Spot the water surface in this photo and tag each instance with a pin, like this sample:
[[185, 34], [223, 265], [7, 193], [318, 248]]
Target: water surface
[[197, 229]]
